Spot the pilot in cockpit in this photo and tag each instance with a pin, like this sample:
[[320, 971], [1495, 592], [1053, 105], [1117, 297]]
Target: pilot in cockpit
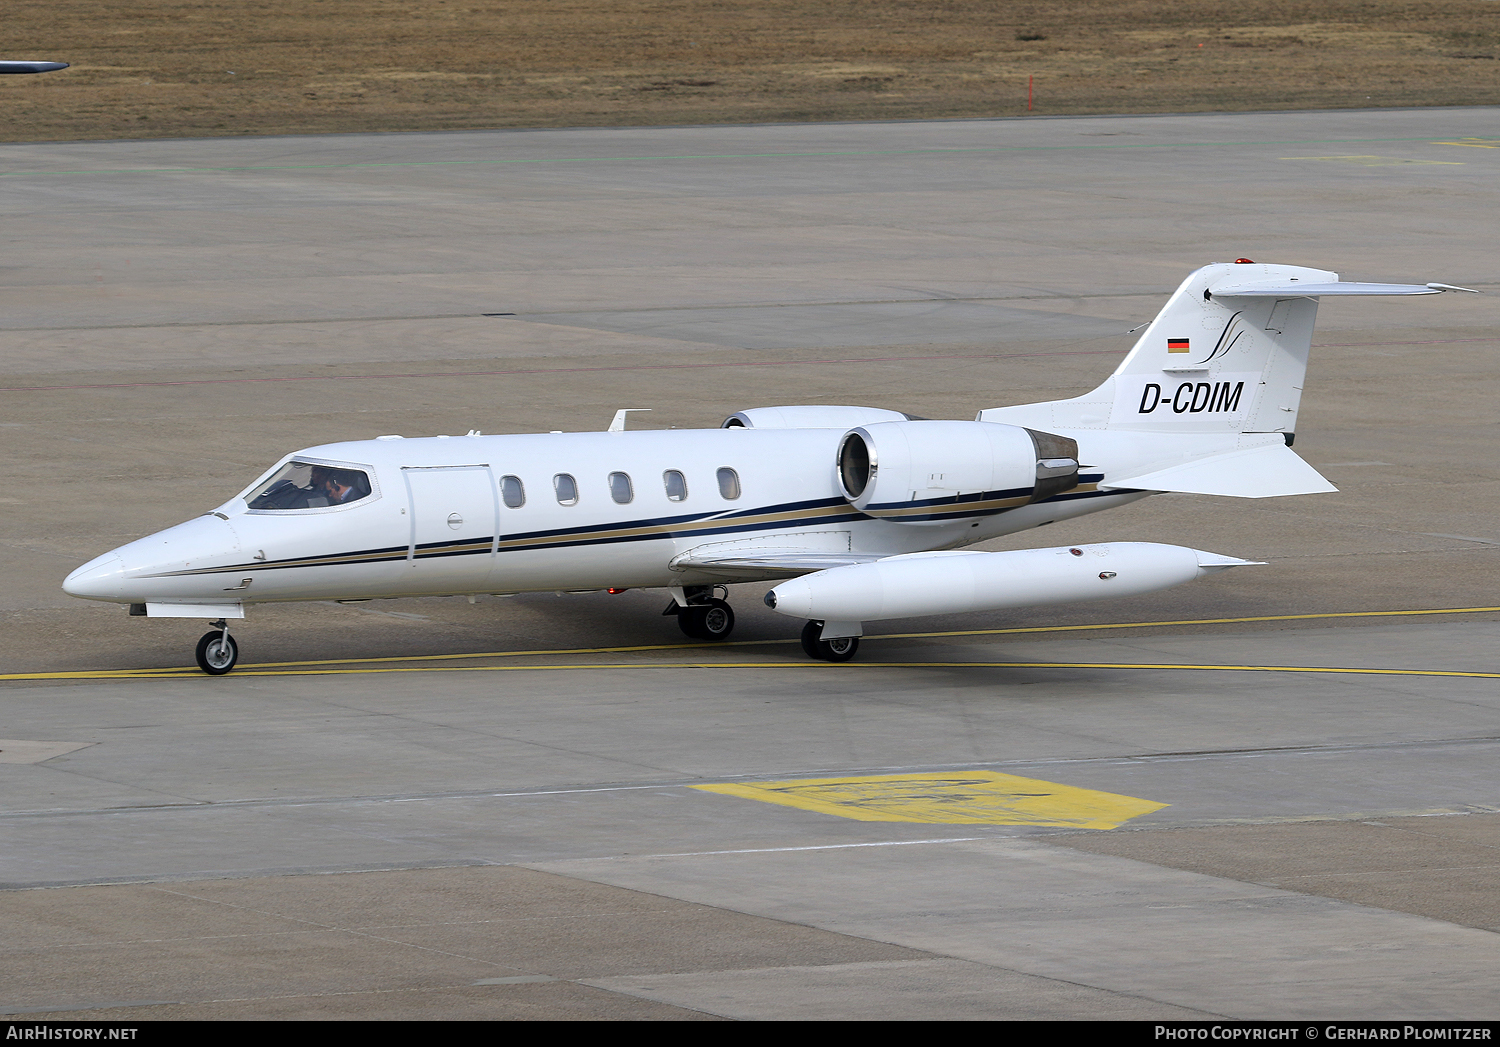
[[334, 484], [299, 485]]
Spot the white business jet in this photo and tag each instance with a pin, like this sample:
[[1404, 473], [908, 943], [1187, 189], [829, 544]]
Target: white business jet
[[864, 512]]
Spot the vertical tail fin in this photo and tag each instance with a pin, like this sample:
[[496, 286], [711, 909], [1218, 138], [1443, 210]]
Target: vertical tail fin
[[1227, 354], [1211, 363]]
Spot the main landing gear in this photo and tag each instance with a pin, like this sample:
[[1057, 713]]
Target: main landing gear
[[840, 649], [706, 616], [217, 652]]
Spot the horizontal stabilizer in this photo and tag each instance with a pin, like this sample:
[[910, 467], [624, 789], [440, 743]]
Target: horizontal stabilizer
[[1282, 290], [1268, 471]]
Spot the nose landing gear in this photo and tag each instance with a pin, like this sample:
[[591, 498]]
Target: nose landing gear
[[217, 652]]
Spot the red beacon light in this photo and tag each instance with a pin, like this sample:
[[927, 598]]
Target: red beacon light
[[1244, 261]]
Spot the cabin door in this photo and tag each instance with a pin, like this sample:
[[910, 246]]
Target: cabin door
[[455, 532]]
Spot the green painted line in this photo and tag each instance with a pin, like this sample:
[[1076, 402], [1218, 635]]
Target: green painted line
[[695, 156]]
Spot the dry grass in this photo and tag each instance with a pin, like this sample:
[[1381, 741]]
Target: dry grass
[[154, 68]]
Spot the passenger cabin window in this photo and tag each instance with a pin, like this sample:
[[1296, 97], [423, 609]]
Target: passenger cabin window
[[620, 489], [729, 484], [566, 488], [303, 485], [676, 485], [512, 492]]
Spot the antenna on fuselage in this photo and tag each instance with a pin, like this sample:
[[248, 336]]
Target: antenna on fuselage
[[618, 425]]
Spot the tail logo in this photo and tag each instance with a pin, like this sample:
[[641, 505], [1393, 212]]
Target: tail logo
[[1233, 331]]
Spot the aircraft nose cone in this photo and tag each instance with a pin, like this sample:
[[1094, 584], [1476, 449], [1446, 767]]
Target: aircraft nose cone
[[102, 578]]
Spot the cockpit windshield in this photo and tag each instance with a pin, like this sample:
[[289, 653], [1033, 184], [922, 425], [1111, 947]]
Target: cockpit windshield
[[303, 485]]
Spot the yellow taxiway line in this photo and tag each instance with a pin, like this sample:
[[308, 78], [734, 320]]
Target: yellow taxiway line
[[191, 673], [809, 664], [352, 666]]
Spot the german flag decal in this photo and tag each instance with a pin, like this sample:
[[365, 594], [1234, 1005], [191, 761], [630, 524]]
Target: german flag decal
[[1177, 345]]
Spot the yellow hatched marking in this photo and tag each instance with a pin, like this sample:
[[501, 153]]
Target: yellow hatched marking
[[1478, 143], [968, 798], [1376, 161]]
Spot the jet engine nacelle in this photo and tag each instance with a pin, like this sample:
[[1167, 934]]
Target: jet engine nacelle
[[932, 472], [952, 582]]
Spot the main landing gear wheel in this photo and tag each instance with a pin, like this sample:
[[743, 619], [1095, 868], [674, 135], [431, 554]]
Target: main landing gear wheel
[[713, 620], [837, 650], [217, 652]]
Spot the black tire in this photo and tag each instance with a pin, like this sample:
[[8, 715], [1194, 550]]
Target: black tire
[[810, 640], [841, 649], [689, 620], [838, 650], [217, 652], [707, 621]]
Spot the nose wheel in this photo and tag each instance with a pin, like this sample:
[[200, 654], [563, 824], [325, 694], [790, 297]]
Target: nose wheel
[[836, 650], [217, 652]]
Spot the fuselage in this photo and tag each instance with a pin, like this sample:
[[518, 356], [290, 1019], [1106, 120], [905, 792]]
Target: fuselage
[[536, 512]]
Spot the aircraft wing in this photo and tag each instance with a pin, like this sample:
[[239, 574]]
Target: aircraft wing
[[761, 562]]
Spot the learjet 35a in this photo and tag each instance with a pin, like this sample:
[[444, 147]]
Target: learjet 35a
[[864, 512]]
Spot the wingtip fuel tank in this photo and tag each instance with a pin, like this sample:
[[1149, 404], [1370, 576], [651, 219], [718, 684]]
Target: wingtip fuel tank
[[954, 582]]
